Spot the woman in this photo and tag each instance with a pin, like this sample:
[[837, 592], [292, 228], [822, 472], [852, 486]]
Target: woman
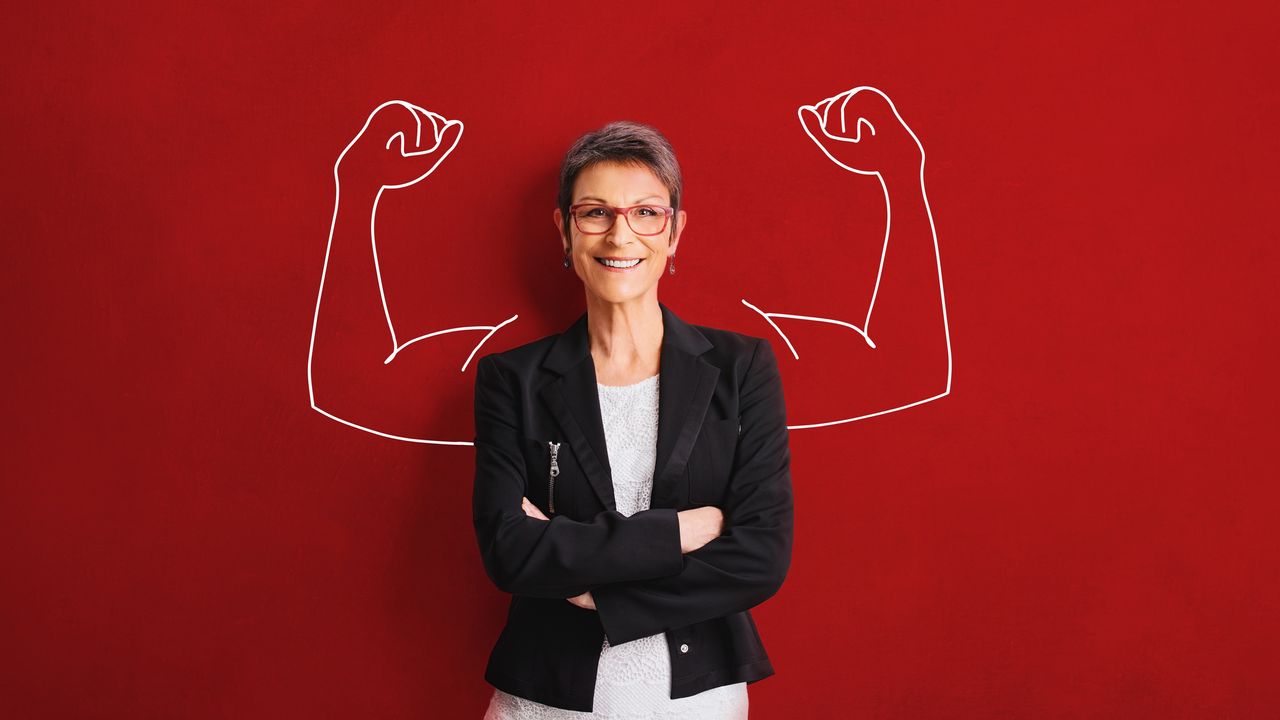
[[632, 485]]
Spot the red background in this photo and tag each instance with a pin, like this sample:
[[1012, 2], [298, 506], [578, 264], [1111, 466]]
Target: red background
[[1084, 528]]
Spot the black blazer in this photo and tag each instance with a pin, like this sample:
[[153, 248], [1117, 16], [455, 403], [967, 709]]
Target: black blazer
[[722, 440]]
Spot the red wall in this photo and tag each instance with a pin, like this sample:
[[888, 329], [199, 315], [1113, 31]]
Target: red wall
[[1083, 528]]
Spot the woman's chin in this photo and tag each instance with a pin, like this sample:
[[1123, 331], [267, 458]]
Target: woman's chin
[[617, 292]]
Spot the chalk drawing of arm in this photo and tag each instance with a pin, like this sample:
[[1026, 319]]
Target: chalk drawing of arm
[[861, 131], [353, 333]]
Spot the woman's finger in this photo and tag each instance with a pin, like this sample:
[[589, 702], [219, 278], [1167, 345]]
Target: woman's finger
[[531, 510]]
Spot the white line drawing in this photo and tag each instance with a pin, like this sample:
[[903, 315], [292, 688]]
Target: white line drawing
[[439, 125], [884, 248], [418, 157]]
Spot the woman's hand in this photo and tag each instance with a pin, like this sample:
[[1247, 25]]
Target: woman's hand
[[532, 510], [699, 526], [584, 601]]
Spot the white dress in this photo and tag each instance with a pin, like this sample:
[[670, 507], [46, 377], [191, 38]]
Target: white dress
[[633, 680]]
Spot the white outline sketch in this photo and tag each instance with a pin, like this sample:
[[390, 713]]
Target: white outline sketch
[[864, 331], [440, 125]]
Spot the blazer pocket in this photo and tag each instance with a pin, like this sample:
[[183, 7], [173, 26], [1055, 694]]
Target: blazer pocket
[[552, 495], [711, 461]]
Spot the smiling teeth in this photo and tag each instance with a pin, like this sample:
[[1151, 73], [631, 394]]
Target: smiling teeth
[[620, 263]]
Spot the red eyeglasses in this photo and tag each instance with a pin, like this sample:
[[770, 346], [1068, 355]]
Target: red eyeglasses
[[598, 219]]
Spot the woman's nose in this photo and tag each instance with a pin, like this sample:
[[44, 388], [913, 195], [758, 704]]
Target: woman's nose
[[620, 233]]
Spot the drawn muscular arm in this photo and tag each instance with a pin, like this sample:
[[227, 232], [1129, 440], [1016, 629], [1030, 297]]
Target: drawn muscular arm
[[358, 369], [878, 366]]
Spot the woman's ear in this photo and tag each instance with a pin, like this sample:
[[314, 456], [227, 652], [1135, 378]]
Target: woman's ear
[[681, 217], [558, 217]]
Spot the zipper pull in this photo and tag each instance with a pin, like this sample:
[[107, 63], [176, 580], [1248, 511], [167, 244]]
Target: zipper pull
[[555, 470]]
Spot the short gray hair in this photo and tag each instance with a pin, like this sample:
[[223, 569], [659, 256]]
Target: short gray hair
[[622, 141]]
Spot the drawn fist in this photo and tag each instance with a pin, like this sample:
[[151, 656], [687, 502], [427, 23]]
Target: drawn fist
[[860, 130], [399, 145]]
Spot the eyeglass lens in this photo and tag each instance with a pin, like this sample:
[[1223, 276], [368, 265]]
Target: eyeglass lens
[[643, 219]]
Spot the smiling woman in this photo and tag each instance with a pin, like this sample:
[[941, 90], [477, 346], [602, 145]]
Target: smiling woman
[[615, 184], [633, 488]]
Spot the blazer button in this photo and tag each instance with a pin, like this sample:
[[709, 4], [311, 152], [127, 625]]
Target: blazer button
[[684, 648]]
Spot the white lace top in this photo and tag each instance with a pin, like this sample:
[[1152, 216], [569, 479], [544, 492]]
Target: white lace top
[[633, 680]]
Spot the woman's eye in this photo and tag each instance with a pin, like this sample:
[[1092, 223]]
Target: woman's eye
[[594, 212], [646, 211]]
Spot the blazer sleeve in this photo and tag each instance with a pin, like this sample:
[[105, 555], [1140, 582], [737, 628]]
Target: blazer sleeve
[[744, 566], [559, 558]]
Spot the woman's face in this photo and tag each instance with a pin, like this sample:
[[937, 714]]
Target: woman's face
[[620, 185]]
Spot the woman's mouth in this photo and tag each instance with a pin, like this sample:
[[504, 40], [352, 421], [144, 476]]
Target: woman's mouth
[[619, 264]]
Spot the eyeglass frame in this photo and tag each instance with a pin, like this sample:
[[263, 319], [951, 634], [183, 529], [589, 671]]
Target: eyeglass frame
[[625, 212]]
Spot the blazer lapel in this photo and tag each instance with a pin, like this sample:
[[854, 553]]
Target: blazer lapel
[[684, 392], [575, 403], [685, 388]]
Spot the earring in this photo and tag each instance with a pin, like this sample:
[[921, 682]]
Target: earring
[[566, 261], [672, 267]]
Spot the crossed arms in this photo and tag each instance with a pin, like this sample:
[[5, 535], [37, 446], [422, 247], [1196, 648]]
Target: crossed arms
[[633, 566]]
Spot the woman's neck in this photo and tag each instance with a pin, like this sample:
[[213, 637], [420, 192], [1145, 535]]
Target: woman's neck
[[625, 339]]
